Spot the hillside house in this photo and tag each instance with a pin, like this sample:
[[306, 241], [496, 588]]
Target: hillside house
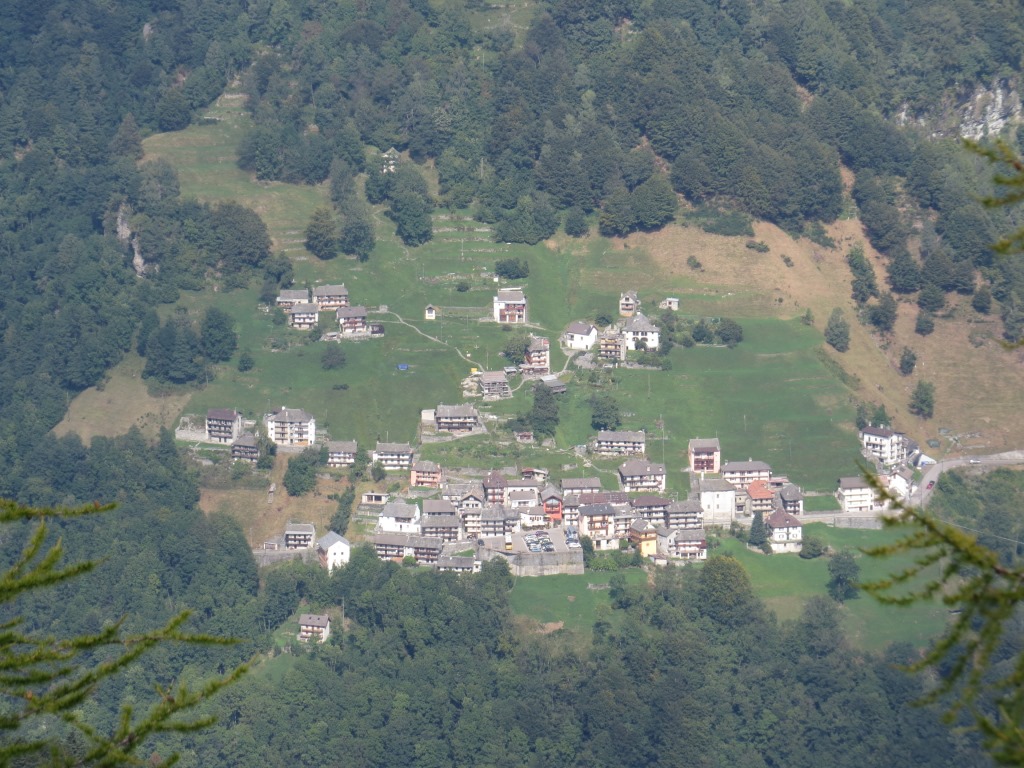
[[458, 564], [791, 499], [521, 499], [494, 385], [762, 498], [785, 532], [437, 508], [611, 347], [553, 383], [551, 501], [333, 550], [430, 312], [329, 297], [683, 544], [315, 627], [705, 455], [578, 485], [510, 306], [651, 507], [497, 520], [640, 333], [341, 453], [303, 316], [629, 303], [900, 484], [886, 445], [670, 302], [352, 321], [443, 527], [532, 517], [394, 457], [299, 535], [598, 522], [399, 517], [246, 448], [495, 488], [742, 473], [538, 357], [685, 514], [636, 476], [855, 495], [425, 474], [643, 534], [456, 418], [613, 443], [290, 427], [288, 297], [223, 425], [425, 550], [580, 336], [717, 498]]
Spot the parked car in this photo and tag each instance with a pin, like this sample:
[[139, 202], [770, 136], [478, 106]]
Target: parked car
[[931, 484]]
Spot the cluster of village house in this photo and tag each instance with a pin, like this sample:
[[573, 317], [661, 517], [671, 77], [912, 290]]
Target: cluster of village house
[[502, 504], [303, 311]]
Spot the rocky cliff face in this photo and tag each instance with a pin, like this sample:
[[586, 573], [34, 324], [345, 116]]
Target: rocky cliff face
[[125, 235], [986, 111]]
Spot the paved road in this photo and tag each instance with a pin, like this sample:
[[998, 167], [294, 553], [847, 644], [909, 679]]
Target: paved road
[[931, 474]]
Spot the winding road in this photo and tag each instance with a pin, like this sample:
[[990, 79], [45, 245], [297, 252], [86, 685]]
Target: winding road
[[932, 472]]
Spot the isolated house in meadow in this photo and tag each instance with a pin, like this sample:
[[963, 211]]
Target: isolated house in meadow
[[620, 443], [315, 627], [329, 297], [394, 457], [637, 476], [705, 455], [290, 296], [785, 532], [510, 306], [580, 335], [333, 550], [640, 333], [671, 303], [629, 303], [430, 312], [341, 453], [290, 427], [223, 425], [302, 315], [886, 445], [538, 356], [352, 321]]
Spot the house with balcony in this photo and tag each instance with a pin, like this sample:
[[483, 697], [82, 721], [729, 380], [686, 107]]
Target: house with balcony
[[705, 455], [444, 527], [620, 443], [886, 445], [494, 385], [689, 544], [580, 336], [299, 535], [288, 297], [742, 473], [629, 303], [685, 514], [399, 517], [462, 418], [352, 321], [425, 550], [458, 564], [611, 347], [497, 520], [341, 453], [394, 457], [495, 488], [538, 357], [510, 306], [314, 627], [223, 425], [425, 474], [761, 498], [329, 297], [855, 495], [598, 522], [579, 485], [290, 427], [245, 448], [303, 316], [791, 499], [333, 550], [643, 534], [551, 501], [637, 476], [651, 507]]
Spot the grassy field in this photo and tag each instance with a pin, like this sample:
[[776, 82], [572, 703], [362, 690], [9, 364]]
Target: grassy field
[[786, 582], [565, 600]]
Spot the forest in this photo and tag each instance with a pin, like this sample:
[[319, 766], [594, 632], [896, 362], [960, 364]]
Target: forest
[[594, 112]]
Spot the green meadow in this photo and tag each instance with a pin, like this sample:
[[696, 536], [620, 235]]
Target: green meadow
[[786, 582], [567, 599]]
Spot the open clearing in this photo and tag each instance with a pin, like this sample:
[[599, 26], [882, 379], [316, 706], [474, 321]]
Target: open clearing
[[567, 600]]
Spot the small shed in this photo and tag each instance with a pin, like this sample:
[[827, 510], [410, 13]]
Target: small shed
[[430, 313]]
